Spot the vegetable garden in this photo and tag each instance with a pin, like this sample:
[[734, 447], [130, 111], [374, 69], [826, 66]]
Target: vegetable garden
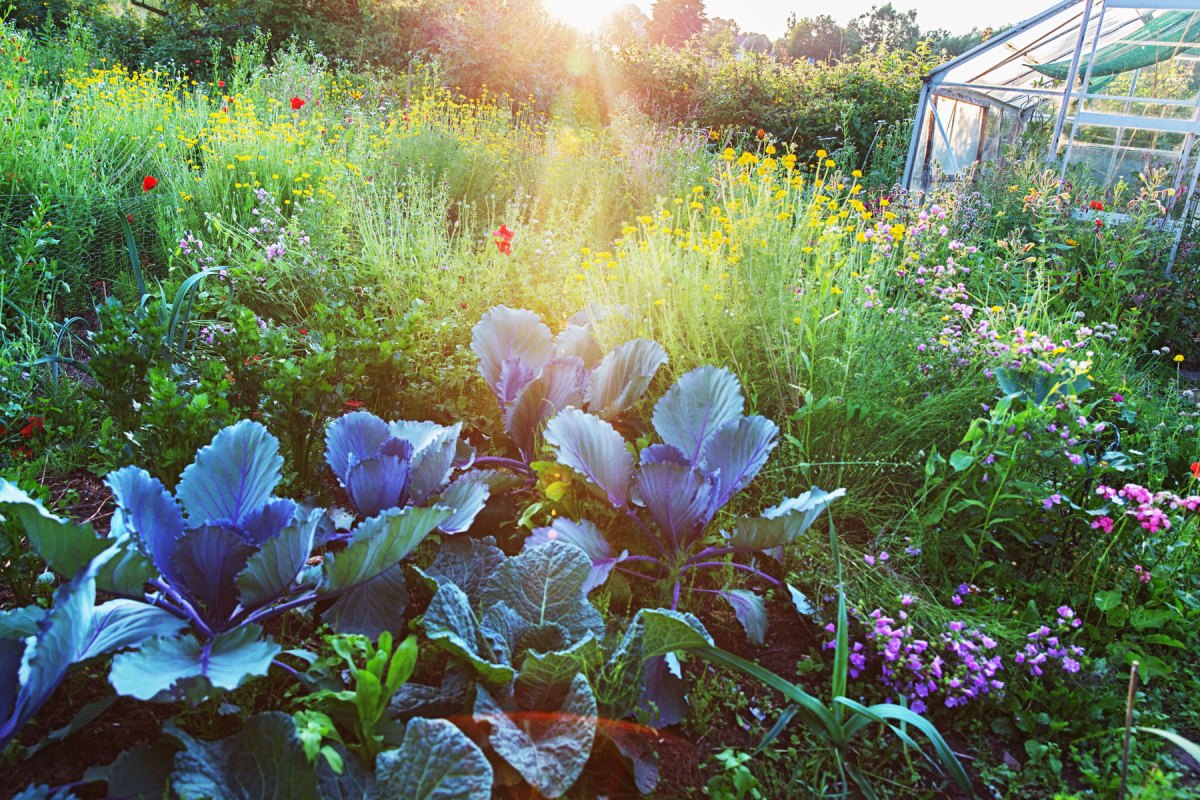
[[360, 439]]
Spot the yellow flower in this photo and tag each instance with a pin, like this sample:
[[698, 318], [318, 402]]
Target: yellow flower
[[1179, 359], [829, 162], [821, 154], [834, 290]]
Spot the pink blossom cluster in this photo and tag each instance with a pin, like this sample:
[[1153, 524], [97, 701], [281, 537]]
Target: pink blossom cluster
[[1150, 509]]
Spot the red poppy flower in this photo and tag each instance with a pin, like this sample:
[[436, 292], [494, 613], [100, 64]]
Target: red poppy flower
[[760, 133], [221, 84], [1096, 205], [129, 218], [149, 182], [1196, 470], [353, 404], [297, 102], [20, 59], [503, 238], [34, 426], [304, 331]]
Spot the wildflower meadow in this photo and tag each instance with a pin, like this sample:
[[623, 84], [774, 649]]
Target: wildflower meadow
[[366, 431]]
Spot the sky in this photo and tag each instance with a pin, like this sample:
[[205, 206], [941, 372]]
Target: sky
[[770, 16]]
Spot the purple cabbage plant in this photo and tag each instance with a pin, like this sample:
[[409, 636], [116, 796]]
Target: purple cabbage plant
[[535, 374], [558, 391], [709, 451], [198, 573]]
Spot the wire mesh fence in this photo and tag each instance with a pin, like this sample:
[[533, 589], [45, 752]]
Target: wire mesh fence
[[85, 236]]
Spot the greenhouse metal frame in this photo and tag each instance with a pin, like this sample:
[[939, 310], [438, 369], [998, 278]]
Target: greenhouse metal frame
[[1113, 84]]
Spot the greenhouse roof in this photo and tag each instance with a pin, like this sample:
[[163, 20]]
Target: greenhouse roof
[[1033, 59]]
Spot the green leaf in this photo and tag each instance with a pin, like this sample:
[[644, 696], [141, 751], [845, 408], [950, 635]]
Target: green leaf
[[1149, 667], [545, 677], [1143, 618], [435, 761], [140, 773], [466, 562], [66, 546], [960, 460], [549, 750], [888, 712], [544, 584], [371, 608], [666, 631], [264, 760], [183, 667], [1164, 640], [450, 623], [1108, 599]]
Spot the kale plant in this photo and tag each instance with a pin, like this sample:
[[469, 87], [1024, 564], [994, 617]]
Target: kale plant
[[547, 678]]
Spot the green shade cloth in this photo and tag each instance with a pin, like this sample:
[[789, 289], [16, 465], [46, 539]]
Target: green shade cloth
[[1179, 31]]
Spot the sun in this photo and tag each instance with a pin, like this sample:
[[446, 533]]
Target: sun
[[586, 15]]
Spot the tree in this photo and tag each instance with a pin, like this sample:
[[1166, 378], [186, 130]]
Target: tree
[[626, 26], [673, 22], [753, 42], [821, 39], [884, 26], [720, 35], [943, 42]]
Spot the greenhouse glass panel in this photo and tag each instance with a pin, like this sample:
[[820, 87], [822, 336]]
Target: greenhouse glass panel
[[1108, 90]]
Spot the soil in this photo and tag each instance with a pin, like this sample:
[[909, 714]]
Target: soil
[[84, 495], [126, 723]]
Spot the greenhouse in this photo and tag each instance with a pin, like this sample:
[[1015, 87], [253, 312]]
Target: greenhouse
[[1106, 88]]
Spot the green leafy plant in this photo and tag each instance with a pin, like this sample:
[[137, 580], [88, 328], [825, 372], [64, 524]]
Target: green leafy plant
[[735, 781], [375, 671]]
